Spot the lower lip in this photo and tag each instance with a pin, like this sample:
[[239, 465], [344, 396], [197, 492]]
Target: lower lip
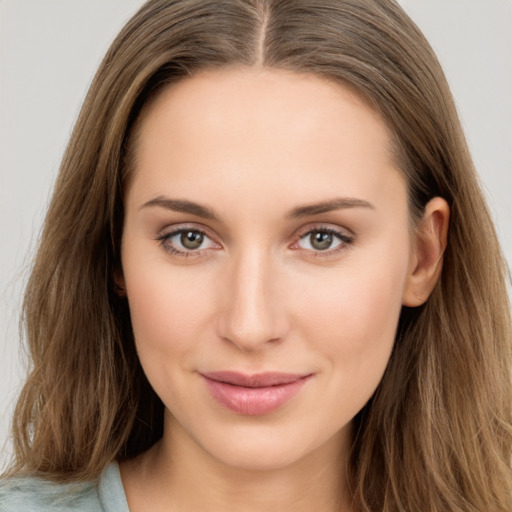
[[254, 401]]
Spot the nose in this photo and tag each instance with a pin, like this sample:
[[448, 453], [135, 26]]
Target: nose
[[252, 314]]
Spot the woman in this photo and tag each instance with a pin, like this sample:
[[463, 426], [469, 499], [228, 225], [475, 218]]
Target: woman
[[267, 278]]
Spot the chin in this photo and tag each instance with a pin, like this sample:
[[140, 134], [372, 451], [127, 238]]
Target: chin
[[259, 458], [273, 448]]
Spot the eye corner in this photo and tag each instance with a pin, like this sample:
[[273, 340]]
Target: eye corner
[[330, 240], [174, 242]]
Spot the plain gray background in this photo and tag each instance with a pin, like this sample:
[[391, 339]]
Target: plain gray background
[[49, 51]]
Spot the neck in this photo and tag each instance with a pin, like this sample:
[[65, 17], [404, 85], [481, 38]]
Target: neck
[[176, 474]]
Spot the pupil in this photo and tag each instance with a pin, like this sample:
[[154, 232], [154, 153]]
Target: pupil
[[191, 239], [321, 240]]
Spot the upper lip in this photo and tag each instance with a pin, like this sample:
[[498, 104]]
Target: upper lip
[[258, 380]]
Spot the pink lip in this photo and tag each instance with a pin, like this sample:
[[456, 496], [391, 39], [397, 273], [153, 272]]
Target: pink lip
[[253, 394]]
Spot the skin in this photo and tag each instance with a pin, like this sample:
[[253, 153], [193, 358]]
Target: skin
[[253, 146]]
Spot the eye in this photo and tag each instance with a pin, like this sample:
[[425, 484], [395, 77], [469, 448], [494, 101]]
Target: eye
[[186, 241], [190, 240], [323, 240]]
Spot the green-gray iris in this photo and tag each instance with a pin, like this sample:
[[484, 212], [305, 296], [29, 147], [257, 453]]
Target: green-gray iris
[[191, 239], [321, 240]]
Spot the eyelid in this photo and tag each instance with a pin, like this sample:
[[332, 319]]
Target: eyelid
[[170, 229], [167, 233], [345, 236], [342, 232]]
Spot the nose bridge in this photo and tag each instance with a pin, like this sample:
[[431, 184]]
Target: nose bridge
[[251, 315]]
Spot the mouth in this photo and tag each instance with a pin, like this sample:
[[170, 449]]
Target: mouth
[[254, 395]]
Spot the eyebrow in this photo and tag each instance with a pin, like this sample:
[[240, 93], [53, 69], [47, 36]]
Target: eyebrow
[[339, 203], [181, 205], [184, 206]]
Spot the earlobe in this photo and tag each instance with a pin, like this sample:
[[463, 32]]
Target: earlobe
[[119, 283], [427, 253]]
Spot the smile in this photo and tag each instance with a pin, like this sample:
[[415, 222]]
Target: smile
[[253, 395]]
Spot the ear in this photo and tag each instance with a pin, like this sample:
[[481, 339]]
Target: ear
[[427, 253], [119, 283]]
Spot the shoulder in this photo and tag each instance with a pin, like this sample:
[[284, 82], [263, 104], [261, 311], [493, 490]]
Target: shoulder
[[24, 494], [29, 494]]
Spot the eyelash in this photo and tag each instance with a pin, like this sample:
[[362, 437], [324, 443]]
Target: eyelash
[[345, 241], [166, 237]]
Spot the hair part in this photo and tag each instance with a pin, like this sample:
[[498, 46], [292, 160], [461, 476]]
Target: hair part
[[437, 433]]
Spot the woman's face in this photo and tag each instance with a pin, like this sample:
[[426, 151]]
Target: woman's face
[[265, 252]]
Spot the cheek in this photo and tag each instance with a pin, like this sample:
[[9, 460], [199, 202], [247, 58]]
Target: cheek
[[169, 311], [352, 316], [169, 307], [360, 301]]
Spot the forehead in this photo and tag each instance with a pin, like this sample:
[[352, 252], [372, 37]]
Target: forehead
[[258, 129], [212, 98]]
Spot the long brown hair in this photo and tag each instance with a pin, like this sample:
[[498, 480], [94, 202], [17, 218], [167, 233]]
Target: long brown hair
[[437, 433]]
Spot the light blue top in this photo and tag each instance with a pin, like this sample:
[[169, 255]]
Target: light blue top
[[26, 494]]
